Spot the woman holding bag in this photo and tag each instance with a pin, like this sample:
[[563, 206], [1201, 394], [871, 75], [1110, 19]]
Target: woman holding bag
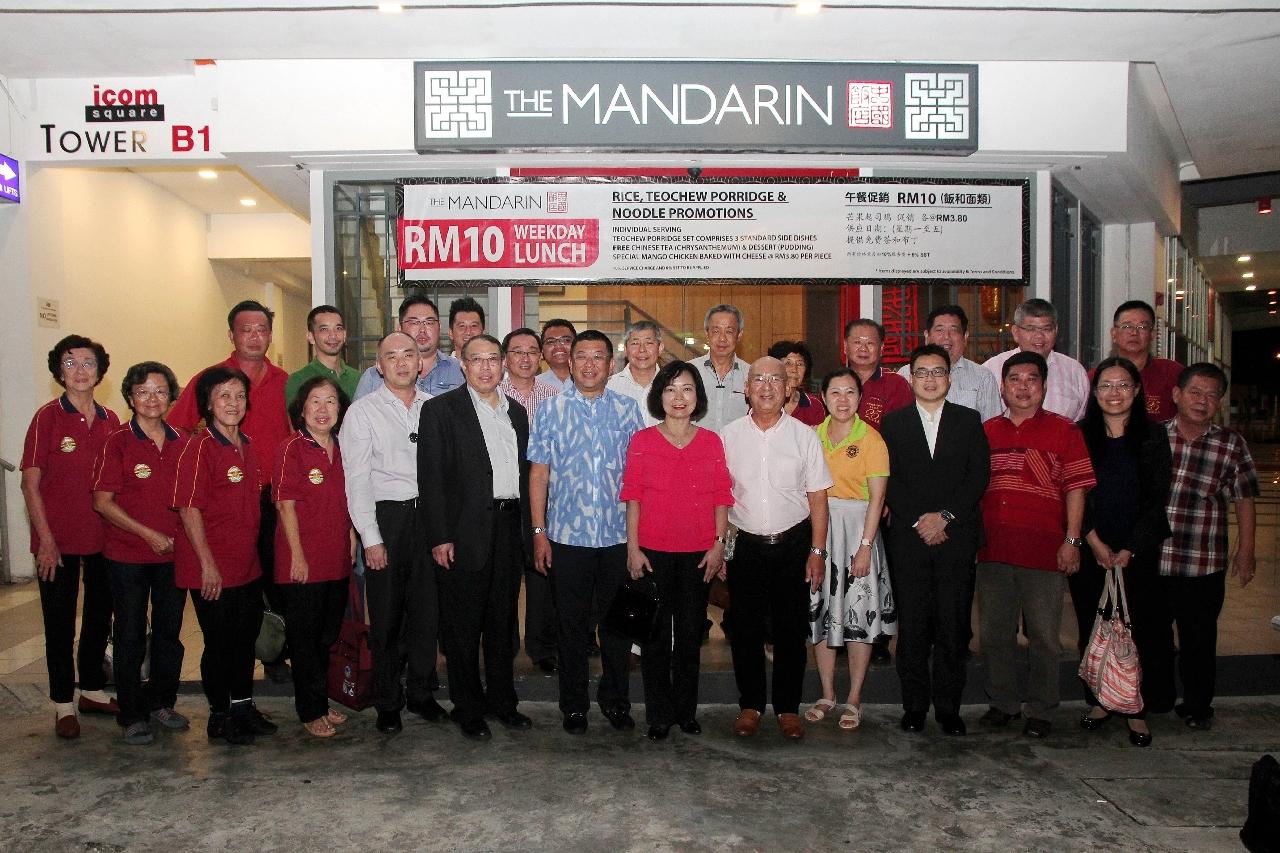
[[1124, 519]]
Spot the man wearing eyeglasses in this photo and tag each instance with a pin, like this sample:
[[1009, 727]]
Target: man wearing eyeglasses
[[948, 327], [437, 372], [882, 391], [557, 339], [476, 438], [643, 345], [1132, 327], [1035, 329]]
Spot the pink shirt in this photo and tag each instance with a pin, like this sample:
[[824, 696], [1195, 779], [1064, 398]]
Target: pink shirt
[[678, 489]]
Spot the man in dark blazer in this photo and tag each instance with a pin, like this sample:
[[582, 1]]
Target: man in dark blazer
[[472, 462], [939, 464]]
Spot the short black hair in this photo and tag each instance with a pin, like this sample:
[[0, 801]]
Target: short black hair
[[864, 321], [1134, 305], [1025, 357], [466, 303], [516, 333], [138, 373], [321, 309], [249, 305], [299, 401], [664, 378], [948, 311], [781, 349], [212, 378], [70, 342], [929, 349], [481, 337], [836, 374], [591, 335], [1207, 369], [416, 299], [551, 324]]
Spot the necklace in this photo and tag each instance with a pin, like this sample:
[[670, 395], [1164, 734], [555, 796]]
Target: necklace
[[679, 442]]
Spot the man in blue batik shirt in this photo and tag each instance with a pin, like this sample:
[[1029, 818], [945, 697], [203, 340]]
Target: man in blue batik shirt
[[578, 448]]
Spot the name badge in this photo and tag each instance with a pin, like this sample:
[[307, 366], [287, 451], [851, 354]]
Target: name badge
[[316, 476], [142, 470], [234, 474], [67, 445]]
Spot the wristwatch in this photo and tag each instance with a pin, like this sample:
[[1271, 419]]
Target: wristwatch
[[947, 516], [866, 541], [538, 530], [1076, 542], [821, 552]]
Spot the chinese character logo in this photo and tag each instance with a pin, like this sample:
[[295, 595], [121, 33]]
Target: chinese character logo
[[557, 201], [870, 104], [937, 106], [457, 105]]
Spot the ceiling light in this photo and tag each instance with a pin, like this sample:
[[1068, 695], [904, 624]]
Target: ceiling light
[[1271, 293], [1179, 293], [1264, 205], [208, 174], [808, 7], [249, 202], [390, 8], [1253, 287], [1247, 275], [1244, 259]]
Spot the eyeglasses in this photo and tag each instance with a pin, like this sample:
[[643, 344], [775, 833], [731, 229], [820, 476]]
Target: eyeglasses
[[1122, 387], [477, 360], [562, 341], [521, 353], [87, 364], [767, 379], [414, 322], [1039, 330], [927, 372], [1144, 328], [863, 342], [150, 393]]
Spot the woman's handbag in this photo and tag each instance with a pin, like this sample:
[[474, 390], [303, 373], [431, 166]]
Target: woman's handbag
[[270, 643], [1110, 665], [351, 658], [634, 611]]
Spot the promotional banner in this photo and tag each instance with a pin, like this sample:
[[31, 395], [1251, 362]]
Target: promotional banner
[[595, 230], [695, 105]]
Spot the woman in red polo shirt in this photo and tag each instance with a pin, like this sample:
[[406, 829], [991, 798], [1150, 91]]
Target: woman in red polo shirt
[[132, 484], [677, 488], [315, 544], [215, 552], [66, 534]]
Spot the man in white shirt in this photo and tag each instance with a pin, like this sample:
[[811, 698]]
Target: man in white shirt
[[780, 481], [724, 375], [948, 327], [380, 460], [643, 345], [1035, 329]]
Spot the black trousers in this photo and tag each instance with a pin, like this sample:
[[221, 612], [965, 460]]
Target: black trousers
[[315, 617], [933, 587], [403, 609], [266, 546], [477, 604], [539, 617], [671, 673], [581, 578], [767, 585], [230, 626], [1194, 605], [58, 606], [132, 586]]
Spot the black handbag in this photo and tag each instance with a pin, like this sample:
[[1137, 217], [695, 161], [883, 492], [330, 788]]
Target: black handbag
[[634, 611]]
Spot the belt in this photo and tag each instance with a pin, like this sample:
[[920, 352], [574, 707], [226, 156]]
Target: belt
[[773, 538], [411, 503], [506, 504]]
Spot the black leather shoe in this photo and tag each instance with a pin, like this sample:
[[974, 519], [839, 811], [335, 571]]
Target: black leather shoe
[[997, 719], [575, 723], [475, 728], [428, 709], [1092, 724], [880, 655], [258, 722], [658, 732], [389, 722], [691, 727], [1139, 738], [1199, 723], [217, 724], [547, 664], [1037, 728], [912, 721], [620, 719], [237, 730], [951, 724], [513, 719]]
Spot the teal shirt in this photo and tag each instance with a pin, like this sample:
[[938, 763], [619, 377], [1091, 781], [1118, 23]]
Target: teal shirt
[[347, 377]]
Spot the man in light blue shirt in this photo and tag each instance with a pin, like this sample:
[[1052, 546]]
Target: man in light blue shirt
[[948, 327], [420, 319], [578, 449]]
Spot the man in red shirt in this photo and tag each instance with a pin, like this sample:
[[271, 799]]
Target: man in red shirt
[[1132, 326], [1032, 514], [882, 390]]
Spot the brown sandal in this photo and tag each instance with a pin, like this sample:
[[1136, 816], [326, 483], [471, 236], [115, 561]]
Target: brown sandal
[[335, 718], [319, 727]]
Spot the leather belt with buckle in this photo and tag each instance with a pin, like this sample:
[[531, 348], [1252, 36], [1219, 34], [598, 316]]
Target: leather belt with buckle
[[506, 504]]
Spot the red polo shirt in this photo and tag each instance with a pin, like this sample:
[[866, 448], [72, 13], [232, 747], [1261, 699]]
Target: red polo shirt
[[881, 394], [140, 476], [63, 445], [215, 478], [1033, 466], [303, 473], [1159, 378], [267, 421]]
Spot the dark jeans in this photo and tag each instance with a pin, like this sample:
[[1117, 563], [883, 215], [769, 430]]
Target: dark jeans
[[132, 585], [581, 578], [230, 625], [1194, 604], [403, 610], [477, 604], [58, 605], [277, 601], [671, 675], [315, 617], [767, 586]]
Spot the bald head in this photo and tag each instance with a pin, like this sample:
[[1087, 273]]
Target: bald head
[[399, 360], [766, 387]]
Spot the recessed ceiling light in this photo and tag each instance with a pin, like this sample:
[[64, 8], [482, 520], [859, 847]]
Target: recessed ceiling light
[[808, 7], [1252, 287], [249, 202], [1179, 293], [208, 174], [1246, 275], [390, 8], [1244, 259]]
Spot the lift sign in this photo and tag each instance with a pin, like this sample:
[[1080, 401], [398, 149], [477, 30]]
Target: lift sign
[[498, 243]]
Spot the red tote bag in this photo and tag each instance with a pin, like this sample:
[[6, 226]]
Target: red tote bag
[[351, 659]]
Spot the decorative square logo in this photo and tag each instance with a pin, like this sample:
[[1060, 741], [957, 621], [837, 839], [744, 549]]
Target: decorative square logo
[[457, 105], [870, 104], [937, 106], [557, 201]]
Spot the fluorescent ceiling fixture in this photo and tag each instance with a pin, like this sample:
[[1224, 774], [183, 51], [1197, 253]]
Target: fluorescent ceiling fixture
[[1253, 287], [249, 202], [1247, 275], [808, 7], [1179, 293], [1244, 259], [390, 8], [208, 174]]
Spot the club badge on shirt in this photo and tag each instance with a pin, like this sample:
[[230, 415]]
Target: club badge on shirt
[[316, 476], [67, 445], [142, 470], [234, 474], [851, 451]]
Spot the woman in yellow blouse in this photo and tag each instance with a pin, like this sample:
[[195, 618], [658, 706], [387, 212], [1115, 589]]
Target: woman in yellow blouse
[[854, 605]]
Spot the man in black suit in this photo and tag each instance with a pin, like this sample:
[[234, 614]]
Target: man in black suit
[[939, 464], [473, 442]]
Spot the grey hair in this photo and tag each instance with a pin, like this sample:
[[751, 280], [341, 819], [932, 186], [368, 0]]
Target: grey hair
[[722, 308], [1035, 308], [643, 326]]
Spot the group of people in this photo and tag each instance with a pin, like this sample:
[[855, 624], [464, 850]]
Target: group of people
[[835, 520]]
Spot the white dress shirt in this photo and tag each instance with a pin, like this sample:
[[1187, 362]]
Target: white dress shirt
[[624, 383], [930, 423], [970, 386], [726, 399], [773, 472], [500, 441], [378, 457], [1066, 388]]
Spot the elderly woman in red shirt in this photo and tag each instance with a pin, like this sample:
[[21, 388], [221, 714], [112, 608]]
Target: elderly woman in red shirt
[[677, 489], [315, 544]]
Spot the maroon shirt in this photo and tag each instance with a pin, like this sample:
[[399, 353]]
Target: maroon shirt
[[140, 476], [64, 446], [884, 392], [809, 409], [215, 478], [1159, 378], [303, 473]]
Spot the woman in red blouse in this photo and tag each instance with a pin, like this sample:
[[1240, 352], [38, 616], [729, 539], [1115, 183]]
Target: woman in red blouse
[[315, 544], [797, 361], [677, 489], [215, 553], [66, 534]]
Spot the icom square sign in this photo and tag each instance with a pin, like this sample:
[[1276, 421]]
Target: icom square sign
[[889, 108]]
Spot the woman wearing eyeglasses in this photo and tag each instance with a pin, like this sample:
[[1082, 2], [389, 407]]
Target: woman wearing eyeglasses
[[66, 534], [1124, 520]]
